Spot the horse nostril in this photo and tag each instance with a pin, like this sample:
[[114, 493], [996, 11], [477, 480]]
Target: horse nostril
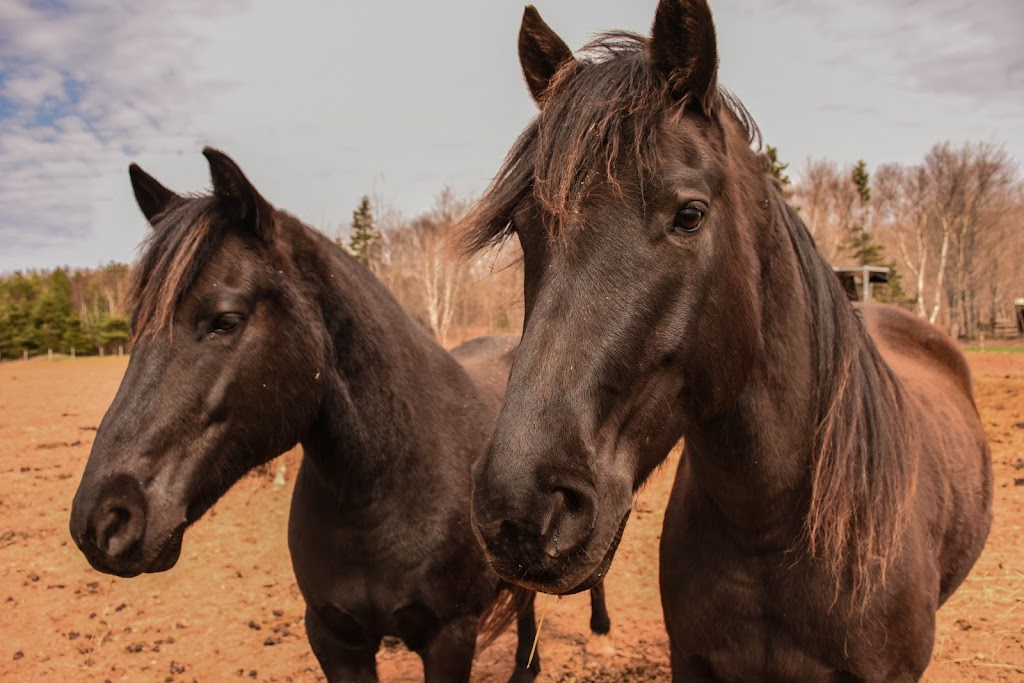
[[118, 529], [569, 522], [551, 520], [108, 526]]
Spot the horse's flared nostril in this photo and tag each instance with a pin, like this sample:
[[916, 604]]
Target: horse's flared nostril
[[118, 528], [109, 525], [556, 523], [570, 521]]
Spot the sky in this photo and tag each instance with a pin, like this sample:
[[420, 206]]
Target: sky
[[322, 102]]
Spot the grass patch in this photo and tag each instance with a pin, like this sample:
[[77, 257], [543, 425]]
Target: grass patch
[[992, 348]]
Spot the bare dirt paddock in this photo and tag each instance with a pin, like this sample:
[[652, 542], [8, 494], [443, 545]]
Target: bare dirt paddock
[[230, 609]]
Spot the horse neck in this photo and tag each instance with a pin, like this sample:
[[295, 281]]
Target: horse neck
[[389, 388], [754, 460]]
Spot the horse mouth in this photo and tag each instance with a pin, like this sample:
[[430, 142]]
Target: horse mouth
[[553, 581], [167, 553], [164, 557], [601, 571]]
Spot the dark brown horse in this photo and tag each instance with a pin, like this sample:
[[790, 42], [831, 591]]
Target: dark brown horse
[[835, 487], [254, 333]]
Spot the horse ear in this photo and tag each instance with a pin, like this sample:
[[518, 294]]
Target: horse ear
[[683, 48], [152, 197], [238, 196], [541, 53]]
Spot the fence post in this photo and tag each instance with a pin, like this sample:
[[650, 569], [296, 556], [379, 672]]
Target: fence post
[[49, 354], [72, 351], [24, 354], [120, 350]]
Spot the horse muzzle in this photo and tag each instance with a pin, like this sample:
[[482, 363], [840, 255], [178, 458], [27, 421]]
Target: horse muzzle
[[551, 539], [113, 527]]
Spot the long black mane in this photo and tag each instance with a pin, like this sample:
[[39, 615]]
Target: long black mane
[[863, 469]]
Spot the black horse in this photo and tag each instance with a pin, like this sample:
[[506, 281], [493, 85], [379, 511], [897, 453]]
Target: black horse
[[254, 333], [836, 484]]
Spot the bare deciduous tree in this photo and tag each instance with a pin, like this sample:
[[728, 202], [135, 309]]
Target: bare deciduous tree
[[827, 201], [899, 196], [965, 184], [951, 218]]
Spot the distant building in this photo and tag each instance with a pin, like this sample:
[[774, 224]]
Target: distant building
[[858, 280]]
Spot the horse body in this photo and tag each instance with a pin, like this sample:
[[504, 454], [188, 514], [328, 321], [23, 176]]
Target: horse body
[[956, 471], [741, 604], [255, 333], [390, 553], [835, 486]]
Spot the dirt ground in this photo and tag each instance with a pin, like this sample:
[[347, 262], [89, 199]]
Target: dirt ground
[[230, 609]]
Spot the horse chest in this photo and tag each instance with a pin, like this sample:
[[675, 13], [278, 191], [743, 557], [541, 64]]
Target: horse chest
[[738, 629], [359, 623], [740, 615], [771, 618], [376, 576]]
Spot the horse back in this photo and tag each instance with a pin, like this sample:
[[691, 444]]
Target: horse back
[[906, 340], [488, 361], [953, 507]]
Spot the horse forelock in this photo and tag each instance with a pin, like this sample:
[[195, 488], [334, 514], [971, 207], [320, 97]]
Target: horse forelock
[[175, 253], [599, 123]]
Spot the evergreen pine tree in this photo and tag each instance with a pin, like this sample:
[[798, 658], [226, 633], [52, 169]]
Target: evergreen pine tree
[[860, 180], [53, 309], [860, 244], [76, 337], [115, 332], [777, 169], [363, 232]]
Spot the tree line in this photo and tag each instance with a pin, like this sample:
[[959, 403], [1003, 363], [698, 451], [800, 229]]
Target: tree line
[[454, 298], [81, 311], [949, 229]]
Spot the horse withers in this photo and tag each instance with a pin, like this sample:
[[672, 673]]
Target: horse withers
[[253, 333], [835, 487]]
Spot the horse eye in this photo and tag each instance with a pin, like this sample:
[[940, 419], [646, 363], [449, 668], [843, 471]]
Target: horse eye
[[227, 322], [688, 219]]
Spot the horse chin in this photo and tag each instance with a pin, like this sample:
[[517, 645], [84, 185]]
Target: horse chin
[[163, 557], [601, 571], [167, 552]]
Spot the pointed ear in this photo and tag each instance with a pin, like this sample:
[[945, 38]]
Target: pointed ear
[[541, 53], [238, 196], [152, 197], [683, 48]]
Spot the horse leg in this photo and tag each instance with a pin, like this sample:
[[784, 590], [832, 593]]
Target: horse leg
[[448, 658], [526, 633], [600, 645], [600, 622], [341, 660]]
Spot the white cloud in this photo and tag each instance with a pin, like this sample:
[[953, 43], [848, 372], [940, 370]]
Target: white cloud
[[323, 102], [34, 86]]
